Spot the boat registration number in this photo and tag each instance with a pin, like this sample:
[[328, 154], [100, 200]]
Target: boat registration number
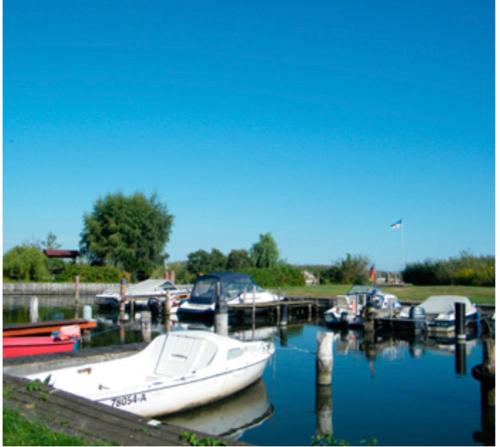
[[128, 399]]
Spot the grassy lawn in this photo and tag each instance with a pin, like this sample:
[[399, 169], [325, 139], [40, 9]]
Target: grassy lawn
[[17, 430], [478, 295]]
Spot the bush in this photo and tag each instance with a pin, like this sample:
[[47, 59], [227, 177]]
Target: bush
[[89, 273], [25, 263], [349, 270], [466, 270], [280, 276]]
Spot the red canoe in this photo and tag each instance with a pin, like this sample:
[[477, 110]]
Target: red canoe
[[23, 346]]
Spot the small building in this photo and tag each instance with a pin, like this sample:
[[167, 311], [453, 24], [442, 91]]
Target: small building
[[53, 253]]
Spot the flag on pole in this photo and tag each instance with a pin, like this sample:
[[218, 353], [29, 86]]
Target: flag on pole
[[373, 274], [397, 224]]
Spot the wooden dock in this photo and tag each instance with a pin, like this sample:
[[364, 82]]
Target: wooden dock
[[76, 416]]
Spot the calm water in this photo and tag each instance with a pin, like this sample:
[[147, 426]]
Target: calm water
[[398, 391]]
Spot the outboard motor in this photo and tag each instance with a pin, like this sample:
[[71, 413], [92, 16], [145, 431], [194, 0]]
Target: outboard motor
[[417, 313]]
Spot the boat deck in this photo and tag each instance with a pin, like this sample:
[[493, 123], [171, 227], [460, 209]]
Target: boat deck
[[76, 416]]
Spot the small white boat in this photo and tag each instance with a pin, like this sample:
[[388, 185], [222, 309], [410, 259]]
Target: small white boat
[[177, 371], [143, 292], [348, 308], [439, 312]]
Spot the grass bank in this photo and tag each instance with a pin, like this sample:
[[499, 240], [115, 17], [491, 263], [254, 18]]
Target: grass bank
[[478, 295]]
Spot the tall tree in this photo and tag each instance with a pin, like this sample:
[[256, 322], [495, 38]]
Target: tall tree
[[129, 232], [198, 262], [50, 242], [265, 253], [238, 259]]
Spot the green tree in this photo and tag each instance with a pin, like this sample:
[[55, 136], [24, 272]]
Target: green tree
[[128, 232], [50, 242], [265, 253], [238, 259], [198, 262], [217, 260], [25, 263]]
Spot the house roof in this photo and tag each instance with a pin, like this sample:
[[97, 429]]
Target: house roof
[[53, 253]]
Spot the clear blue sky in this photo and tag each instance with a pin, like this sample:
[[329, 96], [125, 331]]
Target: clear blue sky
[[322, 122]]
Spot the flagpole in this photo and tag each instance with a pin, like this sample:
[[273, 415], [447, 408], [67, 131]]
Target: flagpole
[[403, 245]]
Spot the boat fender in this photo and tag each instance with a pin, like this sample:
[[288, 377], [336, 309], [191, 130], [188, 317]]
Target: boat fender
[[84, 370]]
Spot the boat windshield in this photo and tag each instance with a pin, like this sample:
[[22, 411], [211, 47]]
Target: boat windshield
[[204, 290], [234, 288], [168, 286]]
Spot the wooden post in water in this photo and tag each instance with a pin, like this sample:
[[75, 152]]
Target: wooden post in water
[[123, 291], [77, 290], [146, 325], [324, 358], [221, 314], [167, 310], [122, 332], [34, 309], [283, 331], [460, 321], [283, 315]]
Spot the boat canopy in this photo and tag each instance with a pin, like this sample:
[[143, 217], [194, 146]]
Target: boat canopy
[[354, 290], [445, 304], [232, 285]]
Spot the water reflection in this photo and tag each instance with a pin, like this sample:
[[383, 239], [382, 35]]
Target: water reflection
[[427, 379], [230, 417]]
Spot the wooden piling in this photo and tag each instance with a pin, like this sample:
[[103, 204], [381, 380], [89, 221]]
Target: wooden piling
[[283, 320], [146, 326], [460, 321], [123, 291], [77, 290], [34, 309], [460, 358], [324, 358], [221, 314]]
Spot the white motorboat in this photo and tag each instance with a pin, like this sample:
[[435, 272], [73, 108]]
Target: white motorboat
[[177, 371], [143, 293], [439, 312], [348, 308], [235, 288]]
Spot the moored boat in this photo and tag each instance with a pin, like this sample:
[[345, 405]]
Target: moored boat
[[176, 371], [45, 327], [25, 346]]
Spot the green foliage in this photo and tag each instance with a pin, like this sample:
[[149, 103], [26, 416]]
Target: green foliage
[[198, 262], [182, 276], [25, 263], [193, 439], [466, 269], [50, 242], [349, 270], [265, 253], [238, 259], [203, 262], [89, 273], [279, 276], [128, 232]]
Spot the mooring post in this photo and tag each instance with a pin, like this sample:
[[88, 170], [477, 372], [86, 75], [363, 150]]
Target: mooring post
[[324, 358], [77, 290], [146, 325], [168, 305], [123, 291], [254, 292], [221, 314], [283, 314], [283, 331], [324, 410], [460, 321], [87, 312], [34, 309]]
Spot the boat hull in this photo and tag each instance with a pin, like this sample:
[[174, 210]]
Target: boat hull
[[178, 397], [25, 346]]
